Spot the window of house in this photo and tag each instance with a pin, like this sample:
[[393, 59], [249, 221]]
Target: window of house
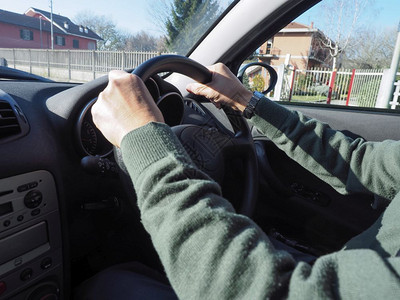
[[269, 46], [60, 40], [75, 44], [26, 34], [91, 46]]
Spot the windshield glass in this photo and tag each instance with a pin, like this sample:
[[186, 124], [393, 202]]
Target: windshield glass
[[81, 40]]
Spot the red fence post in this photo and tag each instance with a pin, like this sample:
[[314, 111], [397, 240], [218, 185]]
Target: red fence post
[[331, 86], [292, 84], [353, 74]]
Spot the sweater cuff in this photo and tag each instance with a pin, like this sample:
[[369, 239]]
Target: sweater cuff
[[148, 144], [269, 116]]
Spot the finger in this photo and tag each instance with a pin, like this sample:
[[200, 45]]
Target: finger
[[198, 89]]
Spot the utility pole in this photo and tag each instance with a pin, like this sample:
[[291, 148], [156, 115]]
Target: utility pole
[[385, 90], [41, 39], [51, 26]]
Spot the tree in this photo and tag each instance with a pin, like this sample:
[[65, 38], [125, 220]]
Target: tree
[[113, 39], [189, 19], [371, 49], [143, 41], [258, 83], [341, 17]]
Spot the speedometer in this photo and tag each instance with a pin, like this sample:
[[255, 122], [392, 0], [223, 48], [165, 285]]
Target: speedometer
[[89, 139]]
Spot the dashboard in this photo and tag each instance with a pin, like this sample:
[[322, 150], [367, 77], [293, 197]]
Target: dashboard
[[53, 207]]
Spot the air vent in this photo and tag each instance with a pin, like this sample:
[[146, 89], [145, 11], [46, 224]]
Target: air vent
[[193, 105], [9, 124]]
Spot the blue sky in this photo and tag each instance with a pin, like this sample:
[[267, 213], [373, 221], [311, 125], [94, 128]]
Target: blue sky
[[134, 15], [381, 14]]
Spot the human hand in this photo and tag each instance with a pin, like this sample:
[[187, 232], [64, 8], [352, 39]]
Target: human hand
[[124, 105], [225, 88]]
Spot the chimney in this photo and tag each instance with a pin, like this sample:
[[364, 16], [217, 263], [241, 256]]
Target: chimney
[[312, 25]]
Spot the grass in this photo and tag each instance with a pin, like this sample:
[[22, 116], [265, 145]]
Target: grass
[[308, 98]]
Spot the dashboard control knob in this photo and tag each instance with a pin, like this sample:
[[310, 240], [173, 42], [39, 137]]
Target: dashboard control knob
[[33, 199]]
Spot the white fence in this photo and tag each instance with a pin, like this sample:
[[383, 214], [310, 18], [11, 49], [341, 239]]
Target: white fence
[[80, 65], [353, 87]]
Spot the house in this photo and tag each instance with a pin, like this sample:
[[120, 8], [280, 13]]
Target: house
[[33, 30], [302, 42]]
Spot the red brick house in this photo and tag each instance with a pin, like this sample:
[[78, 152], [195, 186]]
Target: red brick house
[[33, 30]]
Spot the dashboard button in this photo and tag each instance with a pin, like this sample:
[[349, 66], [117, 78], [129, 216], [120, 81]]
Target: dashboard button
[[46, 263], [20, 218], [35, 212], [6, 223], [23, 188], [32, 185], [26, 274]]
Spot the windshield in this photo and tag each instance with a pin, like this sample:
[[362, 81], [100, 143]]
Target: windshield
[[81, 40]]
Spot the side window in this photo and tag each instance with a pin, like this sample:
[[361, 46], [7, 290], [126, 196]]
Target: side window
[[26, 34], [339, 52], [60, 40], [75, 44]]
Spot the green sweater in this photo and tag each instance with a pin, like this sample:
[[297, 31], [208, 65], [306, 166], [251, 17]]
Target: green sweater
[[210, 252]]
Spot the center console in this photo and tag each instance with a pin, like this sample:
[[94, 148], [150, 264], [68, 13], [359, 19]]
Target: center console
[[30, 237]]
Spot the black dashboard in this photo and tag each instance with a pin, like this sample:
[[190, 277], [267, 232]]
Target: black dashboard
[[53, 209]]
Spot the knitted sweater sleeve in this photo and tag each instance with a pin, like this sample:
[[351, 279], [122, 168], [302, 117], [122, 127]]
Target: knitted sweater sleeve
[[210, 252], [348, 165]]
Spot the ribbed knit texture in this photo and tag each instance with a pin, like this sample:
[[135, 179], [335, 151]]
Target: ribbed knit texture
[[210, 252]]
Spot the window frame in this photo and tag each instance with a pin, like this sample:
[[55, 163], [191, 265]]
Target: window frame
[[58, 38], [75, 44], [24, 33]]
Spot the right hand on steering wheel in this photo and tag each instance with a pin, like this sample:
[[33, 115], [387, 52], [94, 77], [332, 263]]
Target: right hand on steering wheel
[[224, 89]]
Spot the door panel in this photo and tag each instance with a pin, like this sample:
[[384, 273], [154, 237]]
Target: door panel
[[299, 206]]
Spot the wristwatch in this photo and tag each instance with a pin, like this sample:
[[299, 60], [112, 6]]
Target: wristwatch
[[251, 106]]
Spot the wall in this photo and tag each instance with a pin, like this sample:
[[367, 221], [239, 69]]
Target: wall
[[296, 44]]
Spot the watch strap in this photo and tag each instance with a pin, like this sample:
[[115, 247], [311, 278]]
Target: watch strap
[[251, 106]]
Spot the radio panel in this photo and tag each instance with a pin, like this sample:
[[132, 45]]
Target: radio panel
[[30, 236], [25, 197]]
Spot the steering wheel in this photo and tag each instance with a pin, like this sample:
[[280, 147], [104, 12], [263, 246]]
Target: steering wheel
[[209, 148]]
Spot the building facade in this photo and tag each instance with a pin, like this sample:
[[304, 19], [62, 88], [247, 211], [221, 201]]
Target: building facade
[[301, 42], [33, 30]]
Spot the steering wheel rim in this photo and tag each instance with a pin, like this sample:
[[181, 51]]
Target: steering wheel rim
[[241, 143]]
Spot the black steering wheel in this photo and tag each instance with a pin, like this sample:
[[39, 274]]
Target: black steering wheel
[[209, 148]]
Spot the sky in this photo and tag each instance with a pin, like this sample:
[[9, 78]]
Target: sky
[[380, 13], [134, 15]]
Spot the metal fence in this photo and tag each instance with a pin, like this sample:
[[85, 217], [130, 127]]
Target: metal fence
[[344, 87], [50, 62]]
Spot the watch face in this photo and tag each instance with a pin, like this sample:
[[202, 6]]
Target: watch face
[[258, 95]]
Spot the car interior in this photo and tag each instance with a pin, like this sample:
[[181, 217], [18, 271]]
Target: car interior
[[68, 209]]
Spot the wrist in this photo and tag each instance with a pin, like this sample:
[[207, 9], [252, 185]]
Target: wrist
[[243, 100]]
